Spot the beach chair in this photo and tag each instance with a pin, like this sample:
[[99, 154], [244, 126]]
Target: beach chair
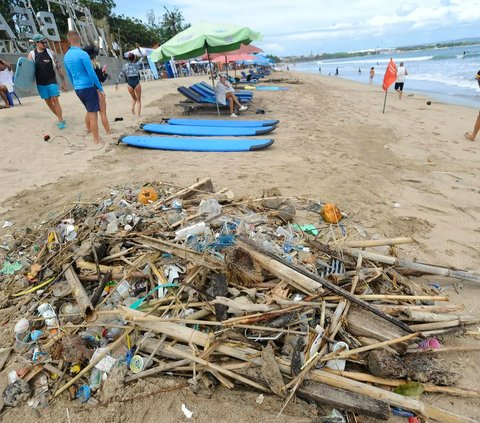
[[196, 101], [209, 92], [210, 89], [256, 75]]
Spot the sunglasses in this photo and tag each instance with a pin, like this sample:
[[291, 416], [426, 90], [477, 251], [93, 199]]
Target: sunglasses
[[42, 42]]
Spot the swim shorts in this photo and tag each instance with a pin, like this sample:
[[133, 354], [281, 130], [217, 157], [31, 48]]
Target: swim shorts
[[48, 91], [89, 98], [399, 86]]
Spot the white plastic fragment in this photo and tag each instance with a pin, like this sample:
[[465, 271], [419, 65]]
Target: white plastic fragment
[[187, 412]]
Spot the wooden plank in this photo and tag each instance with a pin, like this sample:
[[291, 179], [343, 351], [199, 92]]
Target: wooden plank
[[290, 276], [362, 323], [345, 400]]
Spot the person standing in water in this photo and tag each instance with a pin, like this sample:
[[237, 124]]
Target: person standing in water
[[336, 72], [372, 75], [46, 63], [92, 52], [401, 74], [132, 72]]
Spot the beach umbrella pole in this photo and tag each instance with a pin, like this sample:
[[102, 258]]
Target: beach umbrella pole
[[211, 73]]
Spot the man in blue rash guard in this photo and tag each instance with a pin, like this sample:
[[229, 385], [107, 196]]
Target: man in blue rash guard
[[85, 82]]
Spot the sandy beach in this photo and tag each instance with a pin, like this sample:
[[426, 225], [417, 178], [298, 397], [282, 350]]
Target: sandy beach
[[408, 172]]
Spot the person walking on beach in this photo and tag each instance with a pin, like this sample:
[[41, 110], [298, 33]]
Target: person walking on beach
[[92, 52], [224, 91], [372, 75], [6, 82], [401, 73], [46, 63], [471, 136], [336, 72], [131, 70], [85, 82]]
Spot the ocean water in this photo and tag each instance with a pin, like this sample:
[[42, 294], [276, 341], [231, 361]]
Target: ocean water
[[444, 74]]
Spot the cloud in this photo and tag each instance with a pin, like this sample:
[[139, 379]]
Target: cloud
[[305, 25]]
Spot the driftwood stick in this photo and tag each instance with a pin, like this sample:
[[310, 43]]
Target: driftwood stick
[[365, 377], [332, 287], [85, 265], [392, 297], [373, 242], [414, 266], [447, 324], [418, 406], [398, 309], [344, 354]]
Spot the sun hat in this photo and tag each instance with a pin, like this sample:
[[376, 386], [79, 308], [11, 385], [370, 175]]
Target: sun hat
[[38, 37]]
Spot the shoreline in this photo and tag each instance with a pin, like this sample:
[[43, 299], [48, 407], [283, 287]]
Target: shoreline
[[430, 95]]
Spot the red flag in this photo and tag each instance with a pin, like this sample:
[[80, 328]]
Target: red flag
[[390, 75]]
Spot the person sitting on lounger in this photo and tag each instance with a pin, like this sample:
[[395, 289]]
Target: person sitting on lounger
[[6, 82], [224, 91]]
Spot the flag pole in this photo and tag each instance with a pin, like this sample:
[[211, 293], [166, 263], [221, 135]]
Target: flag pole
[[385, 101]]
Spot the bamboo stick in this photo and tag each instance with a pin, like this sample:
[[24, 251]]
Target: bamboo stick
[[390, 397], [365, 377], [374, 242], [393, 297], [414, 266], [344, 354], [397, 309], [444, 325]]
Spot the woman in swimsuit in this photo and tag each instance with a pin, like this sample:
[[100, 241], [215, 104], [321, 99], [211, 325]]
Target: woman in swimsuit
[[132, 72]]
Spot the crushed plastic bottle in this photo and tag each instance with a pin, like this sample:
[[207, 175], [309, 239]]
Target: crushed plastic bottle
[[95, 379], [197, 229], [210, 207]]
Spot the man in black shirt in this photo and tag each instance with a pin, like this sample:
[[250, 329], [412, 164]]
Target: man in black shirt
[[45, 64]]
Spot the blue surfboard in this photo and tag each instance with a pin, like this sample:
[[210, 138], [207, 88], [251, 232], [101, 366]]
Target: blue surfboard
[[271, 88], [25, 75], [196, 144], [153, 68], [230, 123], [205, 131]]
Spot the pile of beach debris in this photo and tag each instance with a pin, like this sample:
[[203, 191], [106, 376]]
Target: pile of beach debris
[[287, 296]]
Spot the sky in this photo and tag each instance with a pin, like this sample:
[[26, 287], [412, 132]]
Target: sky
[[296, 27]]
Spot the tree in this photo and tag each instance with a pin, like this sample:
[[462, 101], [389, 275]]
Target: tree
[[275, 59], [100, 9], [172, 23]]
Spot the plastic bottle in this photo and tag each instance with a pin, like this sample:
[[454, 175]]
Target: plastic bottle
[[95, 379], [197, 229]]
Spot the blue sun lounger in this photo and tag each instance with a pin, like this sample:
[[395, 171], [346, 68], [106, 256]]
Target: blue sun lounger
[[196, 101], [202, 91], [209, 88]]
